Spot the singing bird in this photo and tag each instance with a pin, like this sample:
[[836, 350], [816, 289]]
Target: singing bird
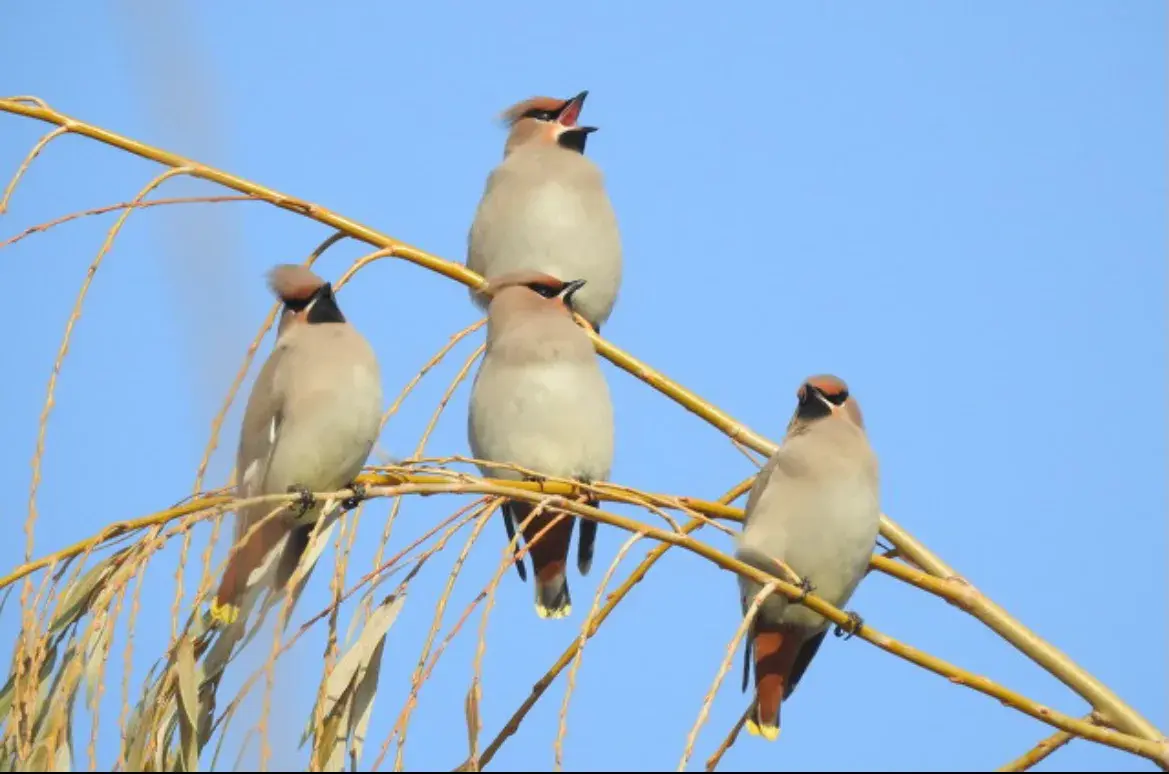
[[310, 423], [815, 506], [540, 401], [545, 208]]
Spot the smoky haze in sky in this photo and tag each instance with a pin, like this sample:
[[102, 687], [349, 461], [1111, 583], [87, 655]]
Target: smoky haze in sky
[[200, 248], [200, 245]]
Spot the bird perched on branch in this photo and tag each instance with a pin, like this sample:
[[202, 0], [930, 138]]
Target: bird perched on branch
[[540, 401], [545, 208], [815, 507], [311, 420]]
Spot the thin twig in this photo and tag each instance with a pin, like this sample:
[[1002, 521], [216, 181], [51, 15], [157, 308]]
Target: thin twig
[[622, 591], [42, 227], [732, 735], [1040, 751], [562, 731], [732, 648], [1113, 709], [32, 154], [439, 609]]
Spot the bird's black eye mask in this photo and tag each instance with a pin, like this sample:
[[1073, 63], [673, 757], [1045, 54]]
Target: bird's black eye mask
[[324, 306], [542, 115], [564, 291], [811, 405], [547, 291], [836, 399]]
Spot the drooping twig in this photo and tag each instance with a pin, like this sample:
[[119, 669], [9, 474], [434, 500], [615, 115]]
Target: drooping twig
[[724, 667], [732, 735], [558, 745], [32, 154], [1112, 709], [42, 227]]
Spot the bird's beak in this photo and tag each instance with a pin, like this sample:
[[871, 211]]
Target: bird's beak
[[832, 407], [569, 289], [574, 138], [570, 113]]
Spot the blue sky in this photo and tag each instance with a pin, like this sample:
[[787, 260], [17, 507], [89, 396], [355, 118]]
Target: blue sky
[[957, 207]]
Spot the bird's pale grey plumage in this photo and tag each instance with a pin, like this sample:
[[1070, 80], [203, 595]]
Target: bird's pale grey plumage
[[545, 209], [540, 401], [311, 419], [815, 508]]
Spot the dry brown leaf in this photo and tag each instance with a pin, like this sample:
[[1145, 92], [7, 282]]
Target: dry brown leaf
[[188, 703], [363, 702], [79, 595]]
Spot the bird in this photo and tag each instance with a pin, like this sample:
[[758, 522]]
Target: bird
[[544, 208], [540, 401], [815, 507], [312, 418]]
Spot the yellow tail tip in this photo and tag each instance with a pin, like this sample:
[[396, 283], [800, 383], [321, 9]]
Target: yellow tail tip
[[562, 612], [225, 614], [768, 732]]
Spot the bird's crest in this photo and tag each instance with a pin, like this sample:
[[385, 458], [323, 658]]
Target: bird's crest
[[293, 282]]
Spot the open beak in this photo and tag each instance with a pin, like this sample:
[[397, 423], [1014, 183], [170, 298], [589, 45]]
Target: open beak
[[570, 113]]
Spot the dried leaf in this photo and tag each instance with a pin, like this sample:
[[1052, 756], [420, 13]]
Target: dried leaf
[[39, 760], [6, 694], [63, 760], [80, 595], [95, 657], [188, 703], [138, 728], [363, 703], [474, 723], [350, 689], [56, 700], [328, 743], [361, 653]]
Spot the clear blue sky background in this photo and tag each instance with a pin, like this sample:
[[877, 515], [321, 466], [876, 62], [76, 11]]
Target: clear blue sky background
[[958, 207]]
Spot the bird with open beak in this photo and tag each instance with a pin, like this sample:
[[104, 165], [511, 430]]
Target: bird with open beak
[[311, 420], [545, 208], [540, 401], [815, 507]]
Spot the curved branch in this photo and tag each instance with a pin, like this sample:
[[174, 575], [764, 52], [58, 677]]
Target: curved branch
[[32, 154], [1112, 709]]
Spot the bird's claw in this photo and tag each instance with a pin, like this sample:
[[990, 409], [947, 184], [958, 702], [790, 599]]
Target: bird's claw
[[806, 588], [306, 501], [536, 478], [855, 624], [359, 494]]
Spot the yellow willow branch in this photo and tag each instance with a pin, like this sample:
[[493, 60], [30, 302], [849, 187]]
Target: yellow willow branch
[[1040, 751], [1155, 751], [117, 529], [615, 599], [1112, 709], [910, 547]]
